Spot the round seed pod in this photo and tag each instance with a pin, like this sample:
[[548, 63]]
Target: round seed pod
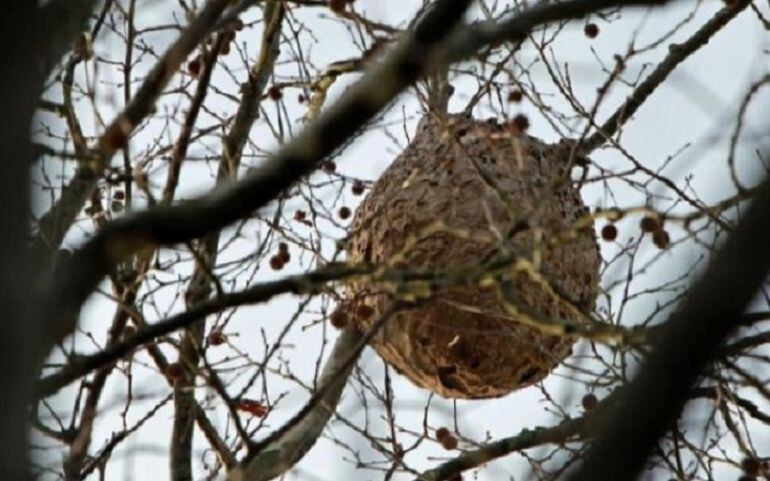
[[461, 193]]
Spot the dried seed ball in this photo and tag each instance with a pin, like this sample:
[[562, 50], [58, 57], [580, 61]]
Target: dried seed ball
[[589, 402], [194, 66], [649, 224], [751, 466], [237, 24], [338, 319], [217, 338], [449, 442], [276, 263], [591, 30], [283, 247], [118, 195], [358, 187], [609, 232], [174, 371], [300, 215], [284, 255], [442, 432], [364, 311], [301, 98], [661, 239], [515, 96], [344, 212], [337, 6], [328, 166], [274, 92], [520, 123], [225, 49], [116, 206]]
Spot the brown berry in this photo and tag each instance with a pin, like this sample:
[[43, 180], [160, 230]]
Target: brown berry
[[237, 24], [661, 239], [442, 432], [274, 92], [174, 371], [283, 247], [217, 338], [589, 402], [328, 166], [364, 311], [225, 48], [276, 263], [520, 123], [301, 98], [751, 466], [609, 232], [649, 224], [338, 319], [449, 442], [116, 206], [284, 255], [344, 212], [515, 96], [591, 30], [194, 67], [118, 195], [299, 215], [358, 187], [337, 6]]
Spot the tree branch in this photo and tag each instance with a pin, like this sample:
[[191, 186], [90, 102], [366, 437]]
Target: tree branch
[[678, 53], [419, 52], [655, 398]]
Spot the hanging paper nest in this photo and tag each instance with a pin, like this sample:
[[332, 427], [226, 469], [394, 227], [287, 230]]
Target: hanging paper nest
[[465, 194]]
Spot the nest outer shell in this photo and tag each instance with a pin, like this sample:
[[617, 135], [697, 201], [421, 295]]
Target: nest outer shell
[[462, 343]]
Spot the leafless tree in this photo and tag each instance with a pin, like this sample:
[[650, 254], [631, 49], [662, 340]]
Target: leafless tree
[[179, 180]]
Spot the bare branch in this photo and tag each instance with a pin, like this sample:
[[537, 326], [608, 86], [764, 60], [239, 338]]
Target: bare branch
[[655, 398], [678, 53]]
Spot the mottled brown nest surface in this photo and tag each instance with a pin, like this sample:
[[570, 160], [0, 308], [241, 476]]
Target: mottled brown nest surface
[[499, 188]]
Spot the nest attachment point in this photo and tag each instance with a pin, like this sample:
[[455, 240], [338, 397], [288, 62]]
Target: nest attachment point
[[462, 193]]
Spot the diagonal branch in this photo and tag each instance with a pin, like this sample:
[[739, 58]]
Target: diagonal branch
[[693, 337], [678, 53], [283, 448]]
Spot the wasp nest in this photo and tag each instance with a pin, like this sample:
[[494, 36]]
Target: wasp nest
[[462, 194]]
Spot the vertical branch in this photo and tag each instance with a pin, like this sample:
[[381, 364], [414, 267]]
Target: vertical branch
[[199, 288], [25, 59]]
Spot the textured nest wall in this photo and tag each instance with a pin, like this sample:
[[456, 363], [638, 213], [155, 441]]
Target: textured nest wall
[[477, 178]]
